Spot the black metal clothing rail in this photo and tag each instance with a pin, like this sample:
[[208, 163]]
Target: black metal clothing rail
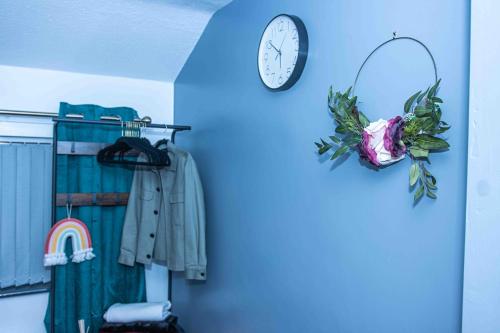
[[118, 123], [57, 121]]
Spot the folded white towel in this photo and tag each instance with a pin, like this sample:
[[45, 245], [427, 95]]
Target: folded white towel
[[127, 313]]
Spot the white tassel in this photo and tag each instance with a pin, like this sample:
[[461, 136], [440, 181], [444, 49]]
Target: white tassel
[[53, 259], [82, 255]]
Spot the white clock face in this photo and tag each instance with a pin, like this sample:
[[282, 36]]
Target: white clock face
[[278, 52]]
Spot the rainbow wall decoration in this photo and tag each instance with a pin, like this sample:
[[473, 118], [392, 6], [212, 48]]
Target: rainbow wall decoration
[[56, 240]]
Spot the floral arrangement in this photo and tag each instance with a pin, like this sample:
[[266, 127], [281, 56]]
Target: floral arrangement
[[384, 142]]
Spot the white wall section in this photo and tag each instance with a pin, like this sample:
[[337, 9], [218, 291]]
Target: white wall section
[[32, 89], [482, 251], [23, 314], [149, 39]]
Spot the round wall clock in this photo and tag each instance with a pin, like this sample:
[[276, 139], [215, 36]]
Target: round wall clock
[[282, 52]]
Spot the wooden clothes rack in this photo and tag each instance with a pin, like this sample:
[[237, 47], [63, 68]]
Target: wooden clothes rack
[[87, 199]]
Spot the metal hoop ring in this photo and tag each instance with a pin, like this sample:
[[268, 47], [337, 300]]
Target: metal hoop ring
[[393, 39]]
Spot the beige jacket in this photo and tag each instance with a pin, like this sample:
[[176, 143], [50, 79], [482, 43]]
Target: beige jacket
[[165, 218]]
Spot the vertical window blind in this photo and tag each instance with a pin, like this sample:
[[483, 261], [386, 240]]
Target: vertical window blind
[[25, 212]]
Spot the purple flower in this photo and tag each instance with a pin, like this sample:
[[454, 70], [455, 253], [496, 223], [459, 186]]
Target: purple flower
[[393, 135], [366, 151], [381, 142]]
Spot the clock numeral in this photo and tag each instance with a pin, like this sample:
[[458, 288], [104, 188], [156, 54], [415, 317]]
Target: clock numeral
[[281, 25], [266, 57], [295, 34], [289, 71], [273, 75], [280, 79], [294, 60]]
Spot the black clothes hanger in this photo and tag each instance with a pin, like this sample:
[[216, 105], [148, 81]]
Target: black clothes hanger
[[165, 141], [161, 142], [115, 153]]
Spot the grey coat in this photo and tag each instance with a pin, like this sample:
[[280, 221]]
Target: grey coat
[[165, 218]]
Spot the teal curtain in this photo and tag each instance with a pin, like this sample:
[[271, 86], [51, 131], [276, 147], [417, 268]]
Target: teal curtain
[[87, 289]]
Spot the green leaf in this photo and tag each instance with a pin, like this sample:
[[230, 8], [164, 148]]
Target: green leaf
[[431, 194], [341, 151], [421, 111], [433, 90], [319, 145], [430, 185], [363, 119], [422, 95], [414, 173], [352, 102], [443, 127], [348, 92], [429, 104], [418, 152], [324, 149], [335, 139], [352, 141], [441, 130], [419, 193], [426, 172], [429, 142], [410, 101], [436, 100], [438, 113], [340, 130]]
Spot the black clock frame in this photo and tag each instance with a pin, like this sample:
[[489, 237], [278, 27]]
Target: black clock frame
[[301, 57]]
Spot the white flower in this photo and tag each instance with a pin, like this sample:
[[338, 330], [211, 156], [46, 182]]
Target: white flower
[[373, 144]]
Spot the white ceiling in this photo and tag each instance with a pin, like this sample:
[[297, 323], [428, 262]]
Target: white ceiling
[[148, 39]]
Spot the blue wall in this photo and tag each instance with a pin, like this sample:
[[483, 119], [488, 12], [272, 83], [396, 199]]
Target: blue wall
[[296, 244]]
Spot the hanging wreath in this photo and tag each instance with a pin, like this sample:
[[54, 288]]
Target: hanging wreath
[[384, 142]]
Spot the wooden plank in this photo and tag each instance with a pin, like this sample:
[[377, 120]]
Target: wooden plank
[[84, 148], [92, 199]]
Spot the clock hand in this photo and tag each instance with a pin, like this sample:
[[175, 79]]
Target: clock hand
[[283, 41], [274, 47], [279, 52]]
